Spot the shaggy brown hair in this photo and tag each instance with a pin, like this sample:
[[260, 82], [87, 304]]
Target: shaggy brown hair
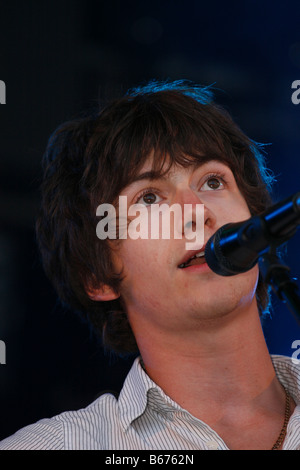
[[88, 162]]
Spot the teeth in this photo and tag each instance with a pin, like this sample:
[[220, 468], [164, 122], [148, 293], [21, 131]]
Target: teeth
[[197, 255]]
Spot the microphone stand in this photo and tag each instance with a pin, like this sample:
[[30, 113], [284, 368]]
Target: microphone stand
[[278, 276]]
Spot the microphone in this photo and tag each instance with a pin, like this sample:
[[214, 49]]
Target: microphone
[[236, 247]]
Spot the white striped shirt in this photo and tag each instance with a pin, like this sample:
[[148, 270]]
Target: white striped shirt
[[142, 418]]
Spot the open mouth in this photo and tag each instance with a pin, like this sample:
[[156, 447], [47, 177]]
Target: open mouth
[[198, 258]]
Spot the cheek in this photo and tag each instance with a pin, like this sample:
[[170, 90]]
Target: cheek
[[144, 284], [138, 258], [234, 209]]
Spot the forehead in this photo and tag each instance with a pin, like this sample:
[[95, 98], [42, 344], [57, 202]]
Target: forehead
[[160, 164], [167, 168], [175, 173]]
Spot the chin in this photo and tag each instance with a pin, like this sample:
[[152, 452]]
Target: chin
[[220, 302]]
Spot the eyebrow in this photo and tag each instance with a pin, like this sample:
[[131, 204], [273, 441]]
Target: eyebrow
[[148, 175]]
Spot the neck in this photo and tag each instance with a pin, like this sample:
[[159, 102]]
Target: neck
[[232, 354], [221, 374]]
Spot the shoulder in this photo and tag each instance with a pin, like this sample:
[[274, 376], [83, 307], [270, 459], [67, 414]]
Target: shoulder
[[80, 429]]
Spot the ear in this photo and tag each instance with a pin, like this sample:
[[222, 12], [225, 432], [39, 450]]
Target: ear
[[102, 293]]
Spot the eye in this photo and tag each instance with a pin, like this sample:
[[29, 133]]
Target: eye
[[148, 197], [213, 183]]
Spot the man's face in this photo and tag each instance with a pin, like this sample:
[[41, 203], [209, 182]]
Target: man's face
[[161, 292]]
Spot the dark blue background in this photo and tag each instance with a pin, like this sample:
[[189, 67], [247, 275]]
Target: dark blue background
[[59, 57]]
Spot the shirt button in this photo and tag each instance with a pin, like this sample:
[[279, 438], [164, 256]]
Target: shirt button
[[212, 445]]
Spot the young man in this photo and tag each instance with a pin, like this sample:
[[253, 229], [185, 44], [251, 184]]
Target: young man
[[204, 378]]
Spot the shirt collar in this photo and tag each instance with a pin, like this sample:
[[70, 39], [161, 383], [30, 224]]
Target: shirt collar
[[139, 390], [133, 396], [288, 373]]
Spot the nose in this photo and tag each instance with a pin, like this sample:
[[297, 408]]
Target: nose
[[197, 217]]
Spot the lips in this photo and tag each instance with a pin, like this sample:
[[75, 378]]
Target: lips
[[190, 256]]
